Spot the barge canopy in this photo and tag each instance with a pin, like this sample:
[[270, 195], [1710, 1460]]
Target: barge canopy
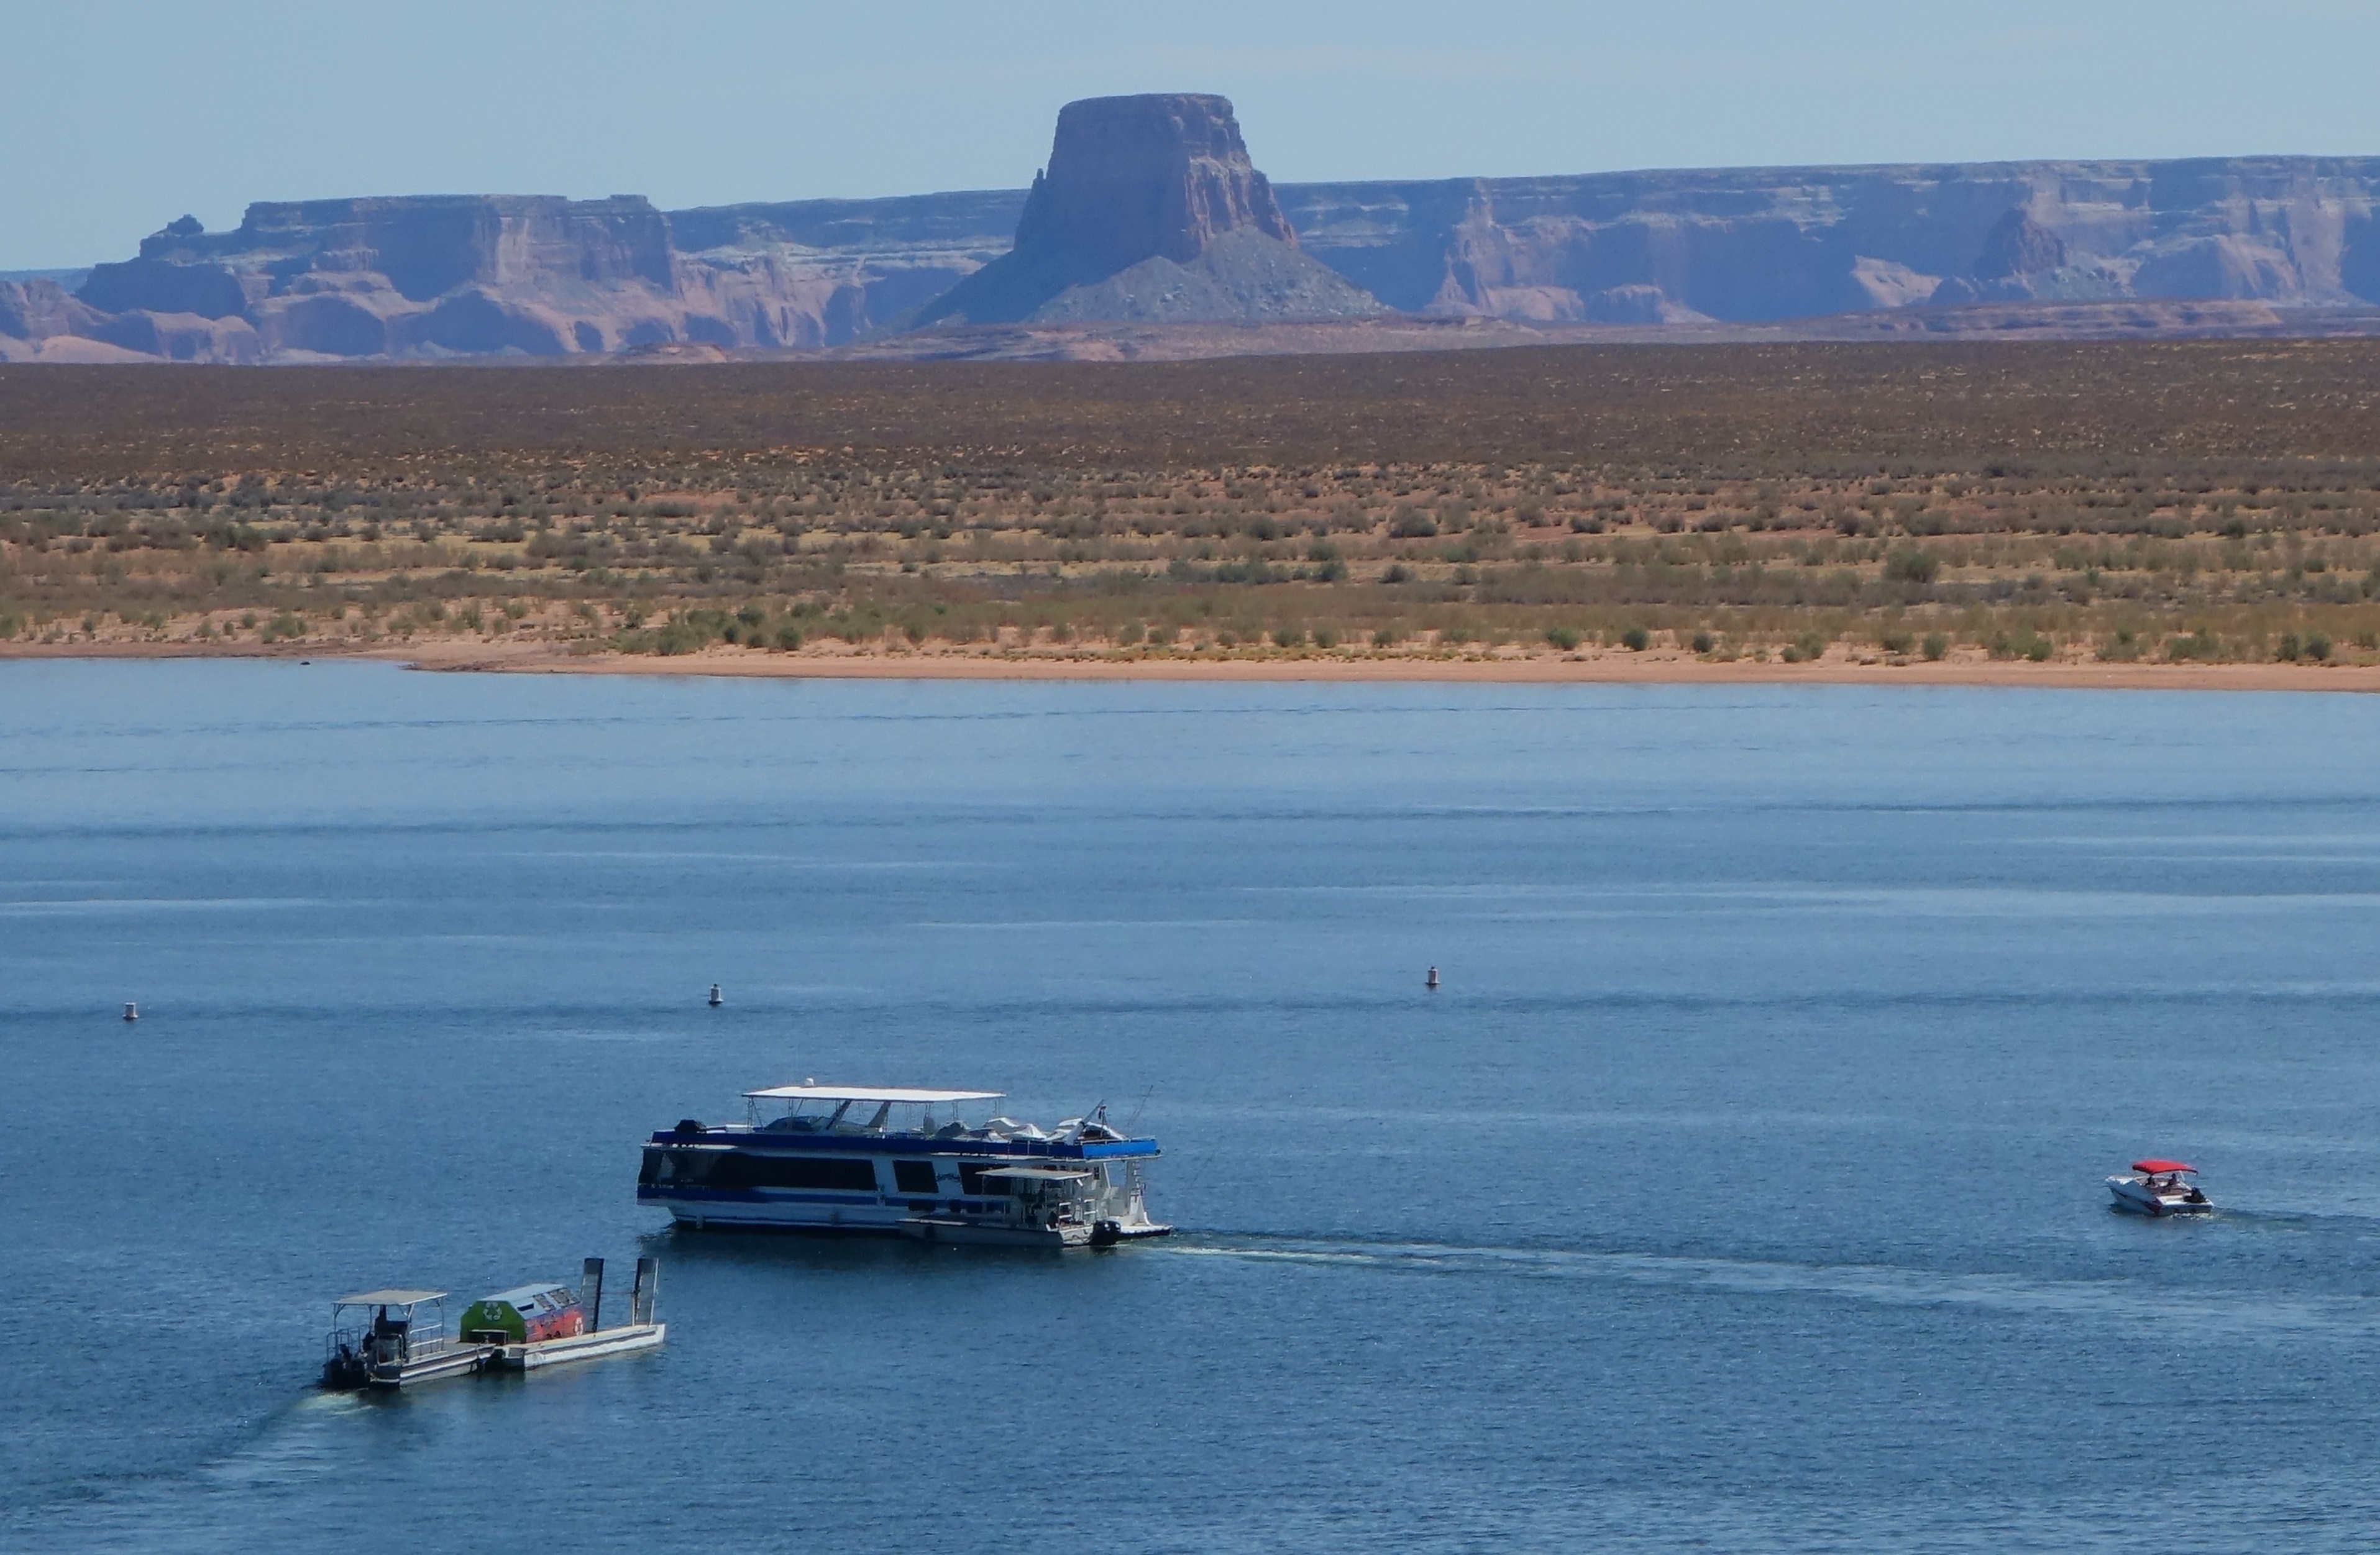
[[388, 1298]]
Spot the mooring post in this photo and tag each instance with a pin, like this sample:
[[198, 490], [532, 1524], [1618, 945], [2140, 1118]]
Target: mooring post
[[649, 1279], [591, 1292]]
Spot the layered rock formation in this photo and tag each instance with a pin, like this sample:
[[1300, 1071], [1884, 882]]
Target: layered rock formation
[[1757, 244], [465, 274], [1150, 210], [820, 272], [1152, 214]]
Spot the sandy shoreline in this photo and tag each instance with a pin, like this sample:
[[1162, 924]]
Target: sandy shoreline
[[1606, 668]]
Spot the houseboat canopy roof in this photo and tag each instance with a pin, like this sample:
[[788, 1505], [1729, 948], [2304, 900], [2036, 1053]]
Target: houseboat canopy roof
[[390, 1298], [862, 1093], [2153, 1166]]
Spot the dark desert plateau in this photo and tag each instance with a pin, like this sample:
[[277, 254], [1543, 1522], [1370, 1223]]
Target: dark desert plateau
[[2190, 513]]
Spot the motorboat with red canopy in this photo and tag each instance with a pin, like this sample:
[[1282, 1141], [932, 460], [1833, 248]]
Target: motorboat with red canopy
[[2160, 1187]]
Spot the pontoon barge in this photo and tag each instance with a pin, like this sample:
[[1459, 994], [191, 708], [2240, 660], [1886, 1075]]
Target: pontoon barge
[[848, 1159], [397, 1338]]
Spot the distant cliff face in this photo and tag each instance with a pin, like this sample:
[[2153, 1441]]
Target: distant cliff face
[[1779, 243], [467, 274], [1150, 210]]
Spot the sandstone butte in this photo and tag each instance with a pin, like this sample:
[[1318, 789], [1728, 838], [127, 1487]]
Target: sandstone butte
[[1151, 216]]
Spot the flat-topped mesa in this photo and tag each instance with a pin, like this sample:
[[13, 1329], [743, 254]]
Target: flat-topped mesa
[[1151, 209], [1145, 177]]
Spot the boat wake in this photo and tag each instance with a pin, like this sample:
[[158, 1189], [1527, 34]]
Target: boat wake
[[165, 1506], [2240, 1311]]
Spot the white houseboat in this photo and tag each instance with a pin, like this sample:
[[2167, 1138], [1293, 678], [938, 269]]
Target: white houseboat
[[850, 1159]]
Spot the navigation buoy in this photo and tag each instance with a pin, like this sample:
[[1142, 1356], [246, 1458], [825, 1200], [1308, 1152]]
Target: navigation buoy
[[1430, 981], [715, 1001], [132, 1011]]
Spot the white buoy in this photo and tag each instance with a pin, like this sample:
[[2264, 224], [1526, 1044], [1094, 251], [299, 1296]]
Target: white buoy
[[132, 1011], [1430, 981], [715, 999]]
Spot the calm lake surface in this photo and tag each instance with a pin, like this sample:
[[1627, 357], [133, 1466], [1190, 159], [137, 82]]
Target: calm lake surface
[[1739, 1190]]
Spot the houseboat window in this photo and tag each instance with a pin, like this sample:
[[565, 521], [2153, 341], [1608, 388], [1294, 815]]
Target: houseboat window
[[912, 1176], [971, 1178], [677, 1166], [794, 1171]]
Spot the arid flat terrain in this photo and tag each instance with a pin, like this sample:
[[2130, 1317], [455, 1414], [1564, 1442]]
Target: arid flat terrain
[[2143, 512]]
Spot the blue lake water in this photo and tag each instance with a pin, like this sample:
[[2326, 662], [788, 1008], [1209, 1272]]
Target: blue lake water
[[1739, 1190]]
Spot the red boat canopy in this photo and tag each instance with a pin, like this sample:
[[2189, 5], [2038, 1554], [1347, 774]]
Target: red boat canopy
[[2163, 1166]]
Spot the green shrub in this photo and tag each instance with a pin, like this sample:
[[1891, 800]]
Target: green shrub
[[1894, 642], [1288, 637], [2287, 648], [789, 636], [2317, 647], [1703, 642], [1910, 565], [1935, 646], [1326, 637], [1635, 639], [1562, 637]]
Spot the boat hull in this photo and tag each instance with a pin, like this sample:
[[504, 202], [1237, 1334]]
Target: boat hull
[[2134, 1199], [621, 1341], [968, 1233], [977, 1233], [463, 1360], [765, 1215]]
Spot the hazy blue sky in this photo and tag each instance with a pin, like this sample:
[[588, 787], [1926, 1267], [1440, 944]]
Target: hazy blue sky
[[119, 116]]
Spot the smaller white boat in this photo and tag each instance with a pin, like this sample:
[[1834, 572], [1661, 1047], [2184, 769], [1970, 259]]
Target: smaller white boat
[[1040, 1205], [2161, 1188]]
